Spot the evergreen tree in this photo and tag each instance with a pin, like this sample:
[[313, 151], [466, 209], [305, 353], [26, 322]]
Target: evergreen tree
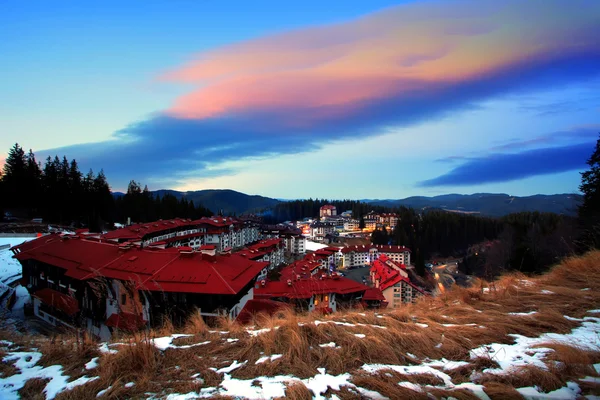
[[15, 178], [32, 186], [589, 211]]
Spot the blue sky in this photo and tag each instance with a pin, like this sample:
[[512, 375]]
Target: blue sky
[[345, 99]]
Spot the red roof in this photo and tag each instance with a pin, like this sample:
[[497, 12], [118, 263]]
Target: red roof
[[306, 288], [208, 247], [168, 270], [328, 207], [219, 222], [265, 245], [304, 268], [126, 321], [138, 231], [256, 306], [373, 294], [389, 276], [56, 299]]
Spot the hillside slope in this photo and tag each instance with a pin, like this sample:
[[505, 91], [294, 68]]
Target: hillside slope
[[229, 201], [490, 204], [534, 338]]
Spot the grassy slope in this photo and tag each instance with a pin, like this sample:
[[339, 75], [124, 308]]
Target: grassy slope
[[456, 322]]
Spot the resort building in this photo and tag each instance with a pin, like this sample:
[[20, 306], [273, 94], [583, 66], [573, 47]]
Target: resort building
[[394, 283], [103, 286]]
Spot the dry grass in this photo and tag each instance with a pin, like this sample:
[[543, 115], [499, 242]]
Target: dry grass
[[68, 351], [529, 375], [297, 391], [34, 389], [500, 391], [457, 321], [387, 386], [6, 369]]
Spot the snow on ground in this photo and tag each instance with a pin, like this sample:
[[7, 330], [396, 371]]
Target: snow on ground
[[268, 387], [10, 269], [330, 344], [522, 313], [92, 364], [25, 362], [234, 365], [523, 352], [268, 358], [314, 246]]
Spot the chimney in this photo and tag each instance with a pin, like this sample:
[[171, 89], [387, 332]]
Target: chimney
[[289, 282], [186, 251], [263, 282], [128, 221]]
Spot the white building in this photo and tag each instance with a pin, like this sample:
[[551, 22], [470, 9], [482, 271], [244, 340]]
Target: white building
[[358, 256]]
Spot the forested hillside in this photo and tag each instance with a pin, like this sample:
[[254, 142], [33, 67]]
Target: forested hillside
[[59, 193]]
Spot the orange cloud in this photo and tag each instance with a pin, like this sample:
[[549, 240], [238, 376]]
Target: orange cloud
[[328, 71]]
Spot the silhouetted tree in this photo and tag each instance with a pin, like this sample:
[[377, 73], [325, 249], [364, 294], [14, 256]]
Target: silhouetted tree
[[589, 211]]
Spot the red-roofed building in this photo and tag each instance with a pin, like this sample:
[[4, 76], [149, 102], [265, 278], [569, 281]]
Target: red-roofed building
[[76, 281], [327, 211], [223, 232], [269, 250], [393, 281], [321, 292], [292, 237]]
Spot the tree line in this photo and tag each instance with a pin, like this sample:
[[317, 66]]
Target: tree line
[[299, 209], [59, 193], [141, 205]]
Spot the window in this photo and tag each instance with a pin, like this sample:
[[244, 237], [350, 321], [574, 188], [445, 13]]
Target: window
[[123, 299]]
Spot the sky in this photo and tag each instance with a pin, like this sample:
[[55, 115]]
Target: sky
[[335, 99]]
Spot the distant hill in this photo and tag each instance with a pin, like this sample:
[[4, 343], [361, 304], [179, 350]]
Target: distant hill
[[489, 203], [227, 200]]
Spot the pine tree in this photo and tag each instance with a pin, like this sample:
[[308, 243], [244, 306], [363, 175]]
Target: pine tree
[[589, 211], [14, 178]]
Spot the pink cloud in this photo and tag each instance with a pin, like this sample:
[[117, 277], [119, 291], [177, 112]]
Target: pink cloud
[[392, 53]]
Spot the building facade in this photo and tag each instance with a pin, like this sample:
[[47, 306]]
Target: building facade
[[393, 281], [358, 256], [327, 211], [102, 286]]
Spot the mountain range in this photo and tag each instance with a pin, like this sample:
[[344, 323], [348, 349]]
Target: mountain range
[[490, 204], [225, 200]]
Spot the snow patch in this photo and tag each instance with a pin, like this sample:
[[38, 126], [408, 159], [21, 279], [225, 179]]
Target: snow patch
[[103, 347], [523, 313], [26, 362], [234, 365], [92, 364], [102, 392], [268, 358], [523, 352]]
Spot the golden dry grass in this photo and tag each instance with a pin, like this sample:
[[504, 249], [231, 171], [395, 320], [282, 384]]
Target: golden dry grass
[[34, 389], [454, 323]]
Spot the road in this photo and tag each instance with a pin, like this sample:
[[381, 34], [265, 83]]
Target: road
[[357, 274]]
